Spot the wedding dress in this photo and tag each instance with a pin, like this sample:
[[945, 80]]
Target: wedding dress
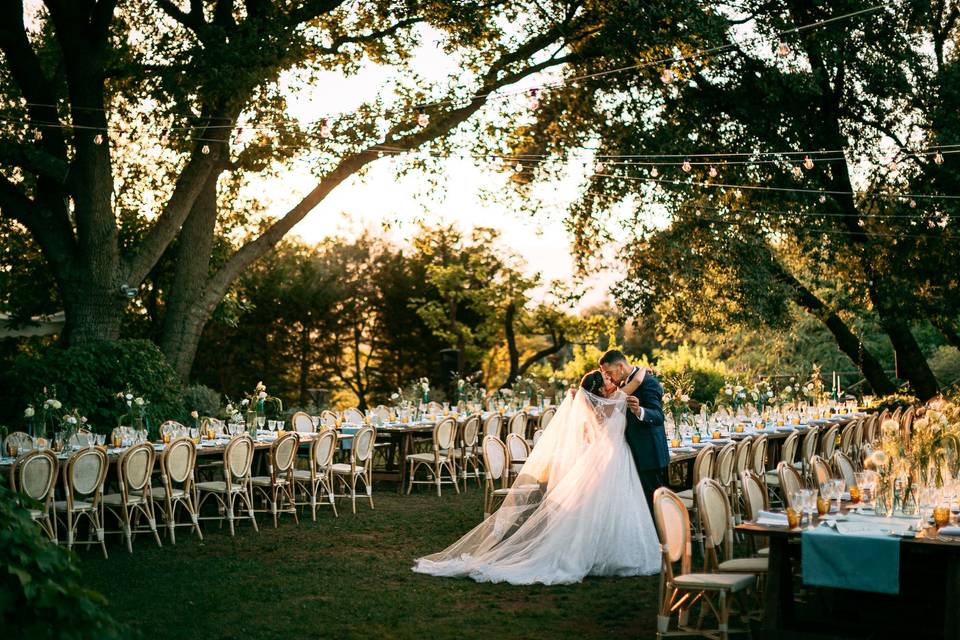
[[576, 508]]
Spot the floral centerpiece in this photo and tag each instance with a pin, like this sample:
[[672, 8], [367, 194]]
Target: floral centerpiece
[[525, 389], [732, 395], [421, 390], [761, 394], [676, 399], [812, 390]]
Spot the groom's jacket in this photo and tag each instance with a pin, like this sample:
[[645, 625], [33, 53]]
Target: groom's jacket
[[645, 434]]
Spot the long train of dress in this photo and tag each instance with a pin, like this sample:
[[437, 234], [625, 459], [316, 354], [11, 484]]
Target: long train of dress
[[576, 509]]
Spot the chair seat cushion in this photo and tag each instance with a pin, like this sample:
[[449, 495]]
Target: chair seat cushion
[[218, 486], [745, 565], [426, 457], [304, 474], [772, 478], [78, 505], [344, 469], [36, 514], [160, 493], [116, 499], [457, 454], [733, 582], [264, 481]]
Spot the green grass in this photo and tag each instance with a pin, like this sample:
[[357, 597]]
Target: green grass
[[350, 578]]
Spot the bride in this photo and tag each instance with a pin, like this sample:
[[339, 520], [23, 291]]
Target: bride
[[576, 508]]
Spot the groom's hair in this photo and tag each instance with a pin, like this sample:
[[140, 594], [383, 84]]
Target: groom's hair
[[614, 356]]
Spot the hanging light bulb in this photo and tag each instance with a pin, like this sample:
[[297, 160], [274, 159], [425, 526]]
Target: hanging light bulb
[[712, 172], [37, 135], [325, 130], [797, 171], [667, 76], [686, 166], [98, 139], [913, 204], [205, 149], [533, 100], [164, 137], [938, 157], [519, 167], [893, 165], [598, 168], [783, 49], [822, 198], [423, 119], [807, 162], [654, 173]]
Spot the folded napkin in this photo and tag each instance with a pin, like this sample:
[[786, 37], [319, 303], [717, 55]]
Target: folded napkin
[[950, 531], [772, 518]]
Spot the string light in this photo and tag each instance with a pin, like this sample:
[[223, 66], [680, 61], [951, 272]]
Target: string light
[[822, 198], [686, 166], [783, 49], [797, 171], [713, 171], [98, 139], [598, 168], [422, 118], [807, 162], [325, 130], [893, 165], [938, 157], [205, 149], [913, 204], [164, 138], [519, 167], [667, 76], [654, 173]]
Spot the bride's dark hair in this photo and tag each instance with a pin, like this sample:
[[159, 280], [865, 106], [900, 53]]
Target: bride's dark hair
[[593, 382]]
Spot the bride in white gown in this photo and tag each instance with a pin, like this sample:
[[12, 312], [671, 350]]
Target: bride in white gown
[[576, 508]]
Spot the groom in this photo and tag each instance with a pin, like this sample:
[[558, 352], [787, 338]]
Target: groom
[[645, 434]]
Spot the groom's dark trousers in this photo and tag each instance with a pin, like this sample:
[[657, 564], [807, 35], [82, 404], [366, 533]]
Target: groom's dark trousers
[[647, 439]]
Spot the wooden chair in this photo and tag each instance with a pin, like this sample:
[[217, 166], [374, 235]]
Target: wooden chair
[[171, 427], [467, 456], [277, 486], [820, 470], [755, 500], [845, 469], [808, 448], [320, 474], [438, 460], [790, 482], [788, 452], [828, 442], [34, 476], [681, 589], [17, 442], [360, 467], [702, 468], [518, 425], [177, 465], [83, 479], [847, 434], [492, 425], [741, 461], [723, 468], [328, 418], [301, 422], [353, 416], [518, 450], [536, 438], [717, 525], [235, 489], [134, 469], [758, 456], [545, 417], [495, 463]]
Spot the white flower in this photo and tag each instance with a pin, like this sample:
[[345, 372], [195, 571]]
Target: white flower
[[55, 404], [263, 395], [729, 391], [788, 389], [754, 395], [28, 412], [260, 387], [394, 396], [194, 415], [244, 402], [83, 419], [769, 394], [139, 401], [129, 403], [228, 409], [70, 420], [685, 398], [129, 396]]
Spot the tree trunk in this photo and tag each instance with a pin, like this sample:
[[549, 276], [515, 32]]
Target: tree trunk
[[947, 330], [304, 357], [186, 310], [911, 363], [92, 313], [511, 337], [848, 343]]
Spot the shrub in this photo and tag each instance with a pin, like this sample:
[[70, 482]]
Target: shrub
[[89, 376], [39, 582], [708, 374], [201, 399]]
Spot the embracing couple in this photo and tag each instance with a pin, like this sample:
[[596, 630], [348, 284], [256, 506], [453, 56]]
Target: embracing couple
[[581, 503]]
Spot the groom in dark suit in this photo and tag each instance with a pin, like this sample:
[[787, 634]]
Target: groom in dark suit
[[645, 434]]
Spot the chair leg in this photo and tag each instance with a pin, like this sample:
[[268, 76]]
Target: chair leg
[[437, 472], [253, 519]]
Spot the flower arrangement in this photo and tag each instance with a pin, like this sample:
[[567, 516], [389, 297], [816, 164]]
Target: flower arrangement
[[732, 395], [813, 388], [421, 390], [468, 389], [134, 407], [761, 394], [525, 387], [261, 402], [676, 398]]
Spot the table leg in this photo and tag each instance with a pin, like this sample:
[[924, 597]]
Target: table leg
[[951, 609], [406, 447], [778, 596]]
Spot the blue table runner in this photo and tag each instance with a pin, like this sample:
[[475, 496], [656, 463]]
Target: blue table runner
[[862, 562]]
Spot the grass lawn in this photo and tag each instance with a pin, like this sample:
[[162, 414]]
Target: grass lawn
[[350, 578]]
